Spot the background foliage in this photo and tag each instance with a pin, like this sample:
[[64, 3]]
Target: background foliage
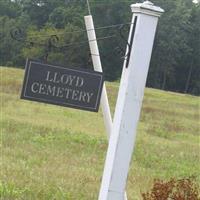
[[51, 153], [175, 61]]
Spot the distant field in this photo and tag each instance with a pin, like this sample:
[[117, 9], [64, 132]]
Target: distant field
[[56, 153]]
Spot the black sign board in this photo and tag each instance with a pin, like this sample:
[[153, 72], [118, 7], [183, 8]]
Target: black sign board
[[69, 87]]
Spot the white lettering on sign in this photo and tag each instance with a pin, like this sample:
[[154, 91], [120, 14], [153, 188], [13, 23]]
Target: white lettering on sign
[[62, 92], [68, 87], [33, 88], [65, 79]]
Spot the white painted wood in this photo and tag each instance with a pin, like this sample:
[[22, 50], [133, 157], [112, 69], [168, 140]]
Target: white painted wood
[[98, 67], [129, 103]]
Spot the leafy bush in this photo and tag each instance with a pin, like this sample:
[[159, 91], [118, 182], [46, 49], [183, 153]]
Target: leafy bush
[[183, 189]]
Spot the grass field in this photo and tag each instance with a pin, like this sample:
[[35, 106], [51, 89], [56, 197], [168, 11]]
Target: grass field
[[56, 153]]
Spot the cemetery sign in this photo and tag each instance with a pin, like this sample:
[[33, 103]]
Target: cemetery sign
[[69, 87]]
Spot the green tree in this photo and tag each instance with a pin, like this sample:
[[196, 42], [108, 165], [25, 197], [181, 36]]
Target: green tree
[[175, 59], [171, 44], [192, 83], [64, 50], [9, 8]]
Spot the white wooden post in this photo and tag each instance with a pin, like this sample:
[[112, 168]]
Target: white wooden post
[[129, 102], [97, 66]]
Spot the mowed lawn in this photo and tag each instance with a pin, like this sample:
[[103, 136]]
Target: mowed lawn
[[55, 153]]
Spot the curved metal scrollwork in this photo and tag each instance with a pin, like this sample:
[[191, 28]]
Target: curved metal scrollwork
[[119, 50], [17, 34], [53, 41], [121, 29], [51, 44]]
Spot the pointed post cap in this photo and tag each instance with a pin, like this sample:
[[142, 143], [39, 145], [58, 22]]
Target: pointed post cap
[[147, 8]]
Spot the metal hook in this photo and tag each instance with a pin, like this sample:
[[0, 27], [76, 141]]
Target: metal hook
[[51, 43], [120, 50], [121, 28], [53, 40]]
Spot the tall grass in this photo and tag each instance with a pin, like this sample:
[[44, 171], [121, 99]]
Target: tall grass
[[56, 153]]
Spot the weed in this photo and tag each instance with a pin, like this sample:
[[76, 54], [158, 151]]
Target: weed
[[182, 189], [55, 153]]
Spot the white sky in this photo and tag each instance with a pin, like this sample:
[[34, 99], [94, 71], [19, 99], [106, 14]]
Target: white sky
[[196, 1]]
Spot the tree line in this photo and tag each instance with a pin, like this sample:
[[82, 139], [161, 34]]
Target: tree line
[[54, 31]]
